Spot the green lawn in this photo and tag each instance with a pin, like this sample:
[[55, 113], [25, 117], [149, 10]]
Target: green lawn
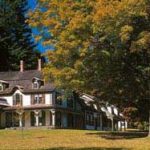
[[71, 140]]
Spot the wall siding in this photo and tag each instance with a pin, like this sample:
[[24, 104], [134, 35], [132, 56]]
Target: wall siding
[[48, 99]]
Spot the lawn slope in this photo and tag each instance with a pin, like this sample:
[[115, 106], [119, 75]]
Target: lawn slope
[[69, 140]]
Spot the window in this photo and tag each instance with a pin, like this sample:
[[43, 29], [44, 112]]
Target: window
[[35, 85], [17, 99], [38, 99], [1, 87], [89, 118], [112, 110]]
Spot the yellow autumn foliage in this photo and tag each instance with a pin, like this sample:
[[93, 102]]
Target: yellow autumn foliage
[[79, 30]]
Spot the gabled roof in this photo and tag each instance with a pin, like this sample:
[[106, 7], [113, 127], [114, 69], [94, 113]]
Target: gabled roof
[[3, 102], [2, 81], [24, 80], [90, 101], [87, 98], [17, 75]]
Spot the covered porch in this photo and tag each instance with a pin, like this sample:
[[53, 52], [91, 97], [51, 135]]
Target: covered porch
[[40, 116], [3, 104]]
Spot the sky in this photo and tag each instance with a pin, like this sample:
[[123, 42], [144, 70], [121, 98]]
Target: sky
[[32, 4]]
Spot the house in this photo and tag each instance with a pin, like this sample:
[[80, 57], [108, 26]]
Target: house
[[26, 100], [110, 117]]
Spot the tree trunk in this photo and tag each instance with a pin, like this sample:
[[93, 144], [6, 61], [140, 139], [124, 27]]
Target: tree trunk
[[149, 106], [149, 124]]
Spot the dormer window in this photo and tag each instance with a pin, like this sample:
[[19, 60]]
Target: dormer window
[[1, 87], [37, 83]]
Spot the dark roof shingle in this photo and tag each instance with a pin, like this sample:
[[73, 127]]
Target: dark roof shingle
[[24, 79]]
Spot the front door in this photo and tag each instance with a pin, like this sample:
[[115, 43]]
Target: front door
[[9, 119]]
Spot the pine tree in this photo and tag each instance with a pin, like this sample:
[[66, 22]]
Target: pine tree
[[16, 41]]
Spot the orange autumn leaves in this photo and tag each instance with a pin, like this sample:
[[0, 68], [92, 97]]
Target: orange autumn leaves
[[72, 25], [64, 15]]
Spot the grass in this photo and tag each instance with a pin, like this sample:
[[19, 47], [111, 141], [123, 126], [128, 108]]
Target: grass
[[71, 140]]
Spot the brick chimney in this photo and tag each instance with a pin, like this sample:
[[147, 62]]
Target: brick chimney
[[39, 65], [21, 66]]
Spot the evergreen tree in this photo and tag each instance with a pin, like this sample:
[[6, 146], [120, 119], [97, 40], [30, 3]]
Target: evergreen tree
[[16, 41]]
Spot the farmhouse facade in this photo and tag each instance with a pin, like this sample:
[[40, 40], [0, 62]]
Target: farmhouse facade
[[26, 100]]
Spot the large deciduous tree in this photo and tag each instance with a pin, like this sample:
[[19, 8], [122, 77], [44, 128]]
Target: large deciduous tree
[[101, 47], [16, 41]]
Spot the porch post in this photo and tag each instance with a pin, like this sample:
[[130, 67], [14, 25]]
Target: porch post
[[85, 120], [101, 122], [112, 124], [20, 120], [53, 116], [20, 113], [36, 114], [95, 123], [36, 120], [124, 125]]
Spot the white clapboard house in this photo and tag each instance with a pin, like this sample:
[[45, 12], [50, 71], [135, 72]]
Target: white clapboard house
[[26, 100], [110, 118]]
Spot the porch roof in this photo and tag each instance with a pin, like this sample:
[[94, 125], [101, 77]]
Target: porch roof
[[3, 103], [41, 107]]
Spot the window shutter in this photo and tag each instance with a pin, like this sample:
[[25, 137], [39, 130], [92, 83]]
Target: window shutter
[[21, 100], [14, 100], [43, 98], [32, 99]]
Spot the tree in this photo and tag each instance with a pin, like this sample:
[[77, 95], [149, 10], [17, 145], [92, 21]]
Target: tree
[[15, 36], [101, 47]]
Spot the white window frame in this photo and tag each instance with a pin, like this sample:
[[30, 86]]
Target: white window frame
[[37, 98], [35, 83], [20, 99], [1, 87]]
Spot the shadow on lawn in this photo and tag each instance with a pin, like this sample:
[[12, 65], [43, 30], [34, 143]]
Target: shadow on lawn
[[120, 135], [90, 148]]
